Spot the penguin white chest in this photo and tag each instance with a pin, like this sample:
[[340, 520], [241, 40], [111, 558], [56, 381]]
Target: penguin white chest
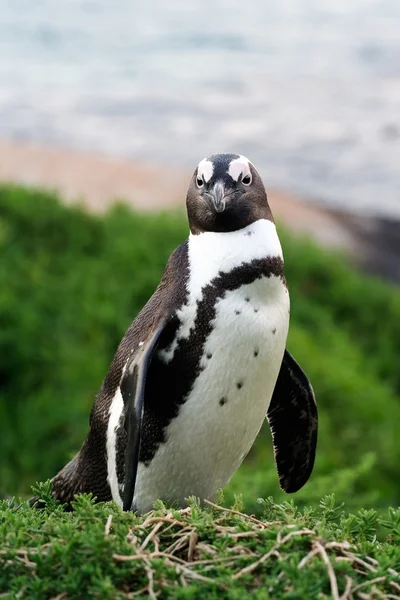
[[222, 415], [247, 325]]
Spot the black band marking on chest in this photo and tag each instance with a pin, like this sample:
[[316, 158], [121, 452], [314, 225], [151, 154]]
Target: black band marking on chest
[[169, 384]]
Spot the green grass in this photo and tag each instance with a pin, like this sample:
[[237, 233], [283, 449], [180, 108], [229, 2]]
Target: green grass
[[97, 551], [71, 283]]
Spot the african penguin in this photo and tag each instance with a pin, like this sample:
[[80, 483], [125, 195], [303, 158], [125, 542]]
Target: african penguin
[[203, 363]]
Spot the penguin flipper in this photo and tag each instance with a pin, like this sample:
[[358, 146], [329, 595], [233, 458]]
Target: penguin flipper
[[133, 390], [293, 419]]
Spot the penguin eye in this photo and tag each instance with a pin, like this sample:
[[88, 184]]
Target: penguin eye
[[246, 180], [199, 182]]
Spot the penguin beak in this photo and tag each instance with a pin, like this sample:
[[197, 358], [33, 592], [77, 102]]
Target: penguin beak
[[218, 197]]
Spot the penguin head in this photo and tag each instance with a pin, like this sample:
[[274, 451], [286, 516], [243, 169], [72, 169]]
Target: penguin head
[[226, 193]]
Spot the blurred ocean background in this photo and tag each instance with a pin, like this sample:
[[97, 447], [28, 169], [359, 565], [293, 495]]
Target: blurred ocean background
[[309, 90]]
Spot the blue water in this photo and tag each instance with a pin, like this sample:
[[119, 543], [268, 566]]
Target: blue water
[[309, 90]]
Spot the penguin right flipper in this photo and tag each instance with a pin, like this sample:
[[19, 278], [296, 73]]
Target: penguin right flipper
[[160, 310], [293, 419], [133, 390]]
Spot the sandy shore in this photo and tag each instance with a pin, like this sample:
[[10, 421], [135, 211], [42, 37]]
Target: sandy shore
[[98, 180]]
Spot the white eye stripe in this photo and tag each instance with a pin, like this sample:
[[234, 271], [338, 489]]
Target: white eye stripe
[[240, 167], [205, 170]]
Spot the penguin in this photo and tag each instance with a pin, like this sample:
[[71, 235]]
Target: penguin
[[203, 363]]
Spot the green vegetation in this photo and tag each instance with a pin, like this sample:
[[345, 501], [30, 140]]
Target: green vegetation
[[71, 283], [98, 551]]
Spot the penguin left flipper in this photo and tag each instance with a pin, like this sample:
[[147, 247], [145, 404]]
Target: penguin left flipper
[[293, 419], [132, 390]]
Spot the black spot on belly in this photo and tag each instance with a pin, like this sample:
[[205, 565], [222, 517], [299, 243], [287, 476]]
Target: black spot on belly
[[237, 312], [239, 385], [209, 355], [223, 401], [256, 310], [274, 330], [247, 299], [256, 353]]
